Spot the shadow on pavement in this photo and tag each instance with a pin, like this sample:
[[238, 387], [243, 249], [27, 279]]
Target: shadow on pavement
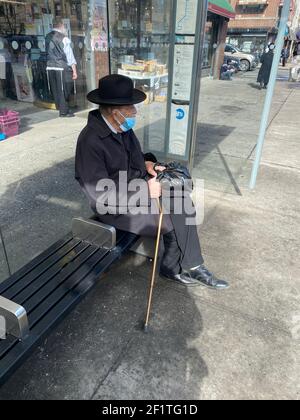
[[100, 352]]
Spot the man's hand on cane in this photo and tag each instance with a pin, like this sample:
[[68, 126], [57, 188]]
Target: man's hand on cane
[[153, 183], [154, 187], [151, 170]]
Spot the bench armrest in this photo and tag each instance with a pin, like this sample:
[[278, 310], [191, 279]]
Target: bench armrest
[[95, 233], [16, 321]]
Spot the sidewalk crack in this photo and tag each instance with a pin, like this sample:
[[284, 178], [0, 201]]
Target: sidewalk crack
[[114, 366]]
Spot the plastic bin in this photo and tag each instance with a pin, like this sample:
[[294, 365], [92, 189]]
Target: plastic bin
[[9, 122]]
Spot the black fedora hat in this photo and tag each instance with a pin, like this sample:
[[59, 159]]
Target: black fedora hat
[[116, 90]]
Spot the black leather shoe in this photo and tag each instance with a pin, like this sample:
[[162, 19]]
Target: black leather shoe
[[206, 278], [183, 278]]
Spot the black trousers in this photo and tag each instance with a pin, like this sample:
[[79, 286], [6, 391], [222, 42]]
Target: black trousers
[[61, 85], [180, 248]]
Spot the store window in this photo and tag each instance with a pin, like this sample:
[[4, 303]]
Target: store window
[[210, 41], [251, 43], [207, 50], [140, 41], [23, 56], [38, 193]]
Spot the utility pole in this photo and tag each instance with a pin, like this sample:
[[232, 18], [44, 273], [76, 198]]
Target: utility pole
[[270, 92]]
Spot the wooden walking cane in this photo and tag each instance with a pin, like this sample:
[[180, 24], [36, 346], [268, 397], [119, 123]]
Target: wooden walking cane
[[152, 280], [5, 252]]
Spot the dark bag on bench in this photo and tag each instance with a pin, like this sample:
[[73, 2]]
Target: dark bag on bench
[[175, 178]]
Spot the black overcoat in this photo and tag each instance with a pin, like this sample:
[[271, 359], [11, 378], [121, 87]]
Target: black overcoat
[[102, 154], [265, 70]]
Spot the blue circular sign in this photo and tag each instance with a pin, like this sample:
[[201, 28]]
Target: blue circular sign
[[180, 114]]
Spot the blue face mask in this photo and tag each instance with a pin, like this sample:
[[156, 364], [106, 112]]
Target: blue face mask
[[128, 124]]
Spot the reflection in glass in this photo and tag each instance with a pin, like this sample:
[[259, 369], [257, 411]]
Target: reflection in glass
[[140, 40], [23, 29], [38, 194]]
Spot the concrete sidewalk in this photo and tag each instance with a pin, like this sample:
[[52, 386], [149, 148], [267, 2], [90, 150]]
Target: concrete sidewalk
[[239, 344]]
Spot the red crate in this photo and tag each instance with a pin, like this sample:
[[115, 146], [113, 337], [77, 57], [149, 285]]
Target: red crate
[[9, 122]]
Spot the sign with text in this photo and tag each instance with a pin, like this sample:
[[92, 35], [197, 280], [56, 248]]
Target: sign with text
[[183, 70], [182, 77], [186, 16]]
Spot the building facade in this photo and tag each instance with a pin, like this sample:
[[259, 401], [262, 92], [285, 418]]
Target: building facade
[[255, 24], [220, 13]]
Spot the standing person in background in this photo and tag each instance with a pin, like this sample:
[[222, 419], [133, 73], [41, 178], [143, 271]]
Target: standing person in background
[[265, 70], [61, 68], [284, 55]]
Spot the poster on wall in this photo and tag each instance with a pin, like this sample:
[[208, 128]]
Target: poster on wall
[[183, 69], [23, 82], [99, 33]]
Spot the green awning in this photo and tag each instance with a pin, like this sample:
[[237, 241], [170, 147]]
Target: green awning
[[222, 8]]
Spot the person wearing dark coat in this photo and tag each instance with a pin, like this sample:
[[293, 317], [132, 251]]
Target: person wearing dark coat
[[108, 151], [265, 70], [61, 68]]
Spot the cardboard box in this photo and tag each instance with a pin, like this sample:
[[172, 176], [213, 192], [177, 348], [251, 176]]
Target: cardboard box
[[161, 68], [160, 98], [133, 67]]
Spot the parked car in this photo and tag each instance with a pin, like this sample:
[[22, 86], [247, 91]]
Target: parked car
[[248, 61], [257, 55]]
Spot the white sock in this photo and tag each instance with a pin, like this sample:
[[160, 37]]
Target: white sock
[[195, 268]]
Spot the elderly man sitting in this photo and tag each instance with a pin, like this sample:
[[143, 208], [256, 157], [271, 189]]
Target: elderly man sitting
[[109, 154]]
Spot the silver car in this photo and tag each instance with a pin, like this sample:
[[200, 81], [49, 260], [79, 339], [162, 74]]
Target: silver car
[[248, 61]]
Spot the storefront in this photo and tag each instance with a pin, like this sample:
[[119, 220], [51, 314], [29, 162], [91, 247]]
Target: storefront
[[218, 16], [135, 43], [211, 38], [251, 41], [24, 27], [129, 37], [256, 24], [158, 43]]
